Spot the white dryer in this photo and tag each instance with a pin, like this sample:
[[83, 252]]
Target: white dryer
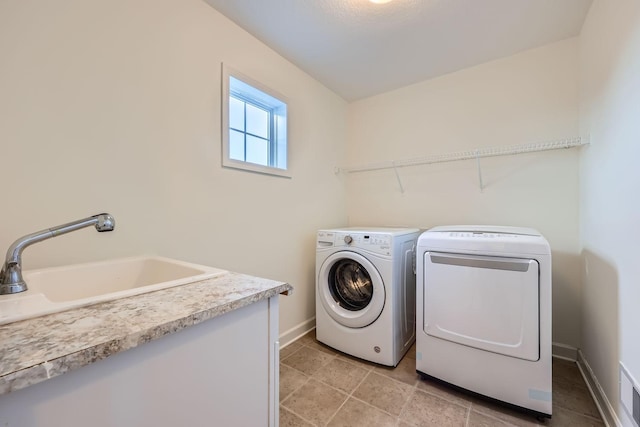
[[484, 312], [365, 291]]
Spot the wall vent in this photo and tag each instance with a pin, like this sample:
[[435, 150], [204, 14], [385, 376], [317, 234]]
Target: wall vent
[[636, 406], [629, 395]]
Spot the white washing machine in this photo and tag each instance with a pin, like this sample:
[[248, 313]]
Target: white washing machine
[[484, 312], [365, 291]]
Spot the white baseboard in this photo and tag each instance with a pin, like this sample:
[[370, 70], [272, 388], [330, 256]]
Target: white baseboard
[[289, 336], [558, 350], [602, 402], [563, 351]]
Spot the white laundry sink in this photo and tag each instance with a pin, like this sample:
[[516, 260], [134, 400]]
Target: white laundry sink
[[60, 288]]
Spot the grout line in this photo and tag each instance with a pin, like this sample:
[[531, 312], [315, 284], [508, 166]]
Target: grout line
[[348, 396], [369, 369], [395, 417], [292, 353], [289, 395], [447, 399], [357, 363], [297, 415], [368, 372], [468, 419], [406, 404], [297, 370]]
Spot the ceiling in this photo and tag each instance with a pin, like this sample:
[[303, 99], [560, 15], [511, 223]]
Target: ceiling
[[359, 49]]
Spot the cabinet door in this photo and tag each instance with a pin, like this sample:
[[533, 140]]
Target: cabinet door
[[486, 302]]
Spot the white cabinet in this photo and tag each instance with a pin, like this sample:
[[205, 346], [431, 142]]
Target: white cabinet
[[221, 372]]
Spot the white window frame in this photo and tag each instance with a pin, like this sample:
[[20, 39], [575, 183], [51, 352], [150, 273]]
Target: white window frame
[[282, 136]]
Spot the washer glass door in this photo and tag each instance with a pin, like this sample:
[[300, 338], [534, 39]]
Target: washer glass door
[[350, 285], [351, 289]]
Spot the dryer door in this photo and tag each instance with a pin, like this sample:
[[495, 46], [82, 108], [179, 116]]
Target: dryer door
[[351, 289], [487, 302]]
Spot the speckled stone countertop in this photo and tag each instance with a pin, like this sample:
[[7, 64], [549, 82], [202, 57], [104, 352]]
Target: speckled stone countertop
[[34, 350]]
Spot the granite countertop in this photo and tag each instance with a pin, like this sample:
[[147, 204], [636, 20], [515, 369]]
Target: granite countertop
[[34, 350]]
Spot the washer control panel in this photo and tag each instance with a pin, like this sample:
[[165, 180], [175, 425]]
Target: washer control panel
[[374, 242]]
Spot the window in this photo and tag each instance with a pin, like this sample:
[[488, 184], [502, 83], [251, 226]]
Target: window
[[254, 126]]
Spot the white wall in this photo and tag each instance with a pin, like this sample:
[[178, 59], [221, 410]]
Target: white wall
[[609, 202], [528, 97], [115, 106]]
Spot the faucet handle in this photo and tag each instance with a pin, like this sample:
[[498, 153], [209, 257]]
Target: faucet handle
[[12, 281]]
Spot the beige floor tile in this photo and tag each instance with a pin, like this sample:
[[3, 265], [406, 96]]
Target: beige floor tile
[[358, 414], [405, 371], [364, 364], [384, 393], [341, 375], [308, 337], [445, 392], [307, 360], [565, 418], [315, 382], [315, 402], [316, 345], [503, 413], [289, 419], [566, 371], [575, 397], [289, 350], [411, 353], [425, 409], [476, 419], [290, 380]]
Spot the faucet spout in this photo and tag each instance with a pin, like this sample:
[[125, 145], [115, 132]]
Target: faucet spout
[[11, 280]]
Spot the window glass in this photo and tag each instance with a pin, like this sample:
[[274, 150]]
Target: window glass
[[236, 145], [257, 150], [236, 113], [257, 121]]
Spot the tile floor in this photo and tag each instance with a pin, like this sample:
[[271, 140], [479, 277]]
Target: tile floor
[[322, 387]]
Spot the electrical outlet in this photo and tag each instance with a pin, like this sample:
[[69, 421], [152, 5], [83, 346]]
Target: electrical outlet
[[630, 395]]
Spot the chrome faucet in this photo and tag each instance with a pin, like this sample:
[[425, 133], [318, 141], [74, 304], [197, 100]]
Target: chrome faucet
[[11, 281]]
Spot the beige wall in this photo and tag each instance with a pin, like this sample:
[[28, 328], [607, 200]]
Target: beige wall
[[115, 106], [524, 98], [609, 202]]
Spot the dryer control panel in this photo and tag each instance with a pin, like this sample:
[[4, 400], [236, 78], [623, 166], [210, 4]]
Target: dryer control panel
[[481, 235], [484, 239], [373, 242]]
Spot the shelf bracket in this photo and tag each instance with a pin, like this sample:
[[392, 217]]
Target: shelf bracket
[[395, 169], [479, 171]]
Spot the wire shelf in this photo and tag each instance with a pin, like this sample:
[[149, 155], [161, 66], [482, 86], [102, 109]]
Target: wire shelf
[[469, 155]]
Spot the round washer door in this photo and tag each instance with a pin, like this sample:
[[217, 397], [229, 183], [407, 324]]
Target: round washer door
[[351, 289]]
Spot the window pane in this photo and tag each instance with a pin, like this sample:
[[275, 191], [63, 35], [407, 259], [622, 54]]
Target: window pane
[[257, 121], [236, 113], [236, 145], [257, 150]]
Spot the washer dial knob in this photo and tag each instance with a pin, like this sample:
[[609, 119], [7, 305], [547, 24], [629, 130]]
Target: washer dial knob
[[348, 239]]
